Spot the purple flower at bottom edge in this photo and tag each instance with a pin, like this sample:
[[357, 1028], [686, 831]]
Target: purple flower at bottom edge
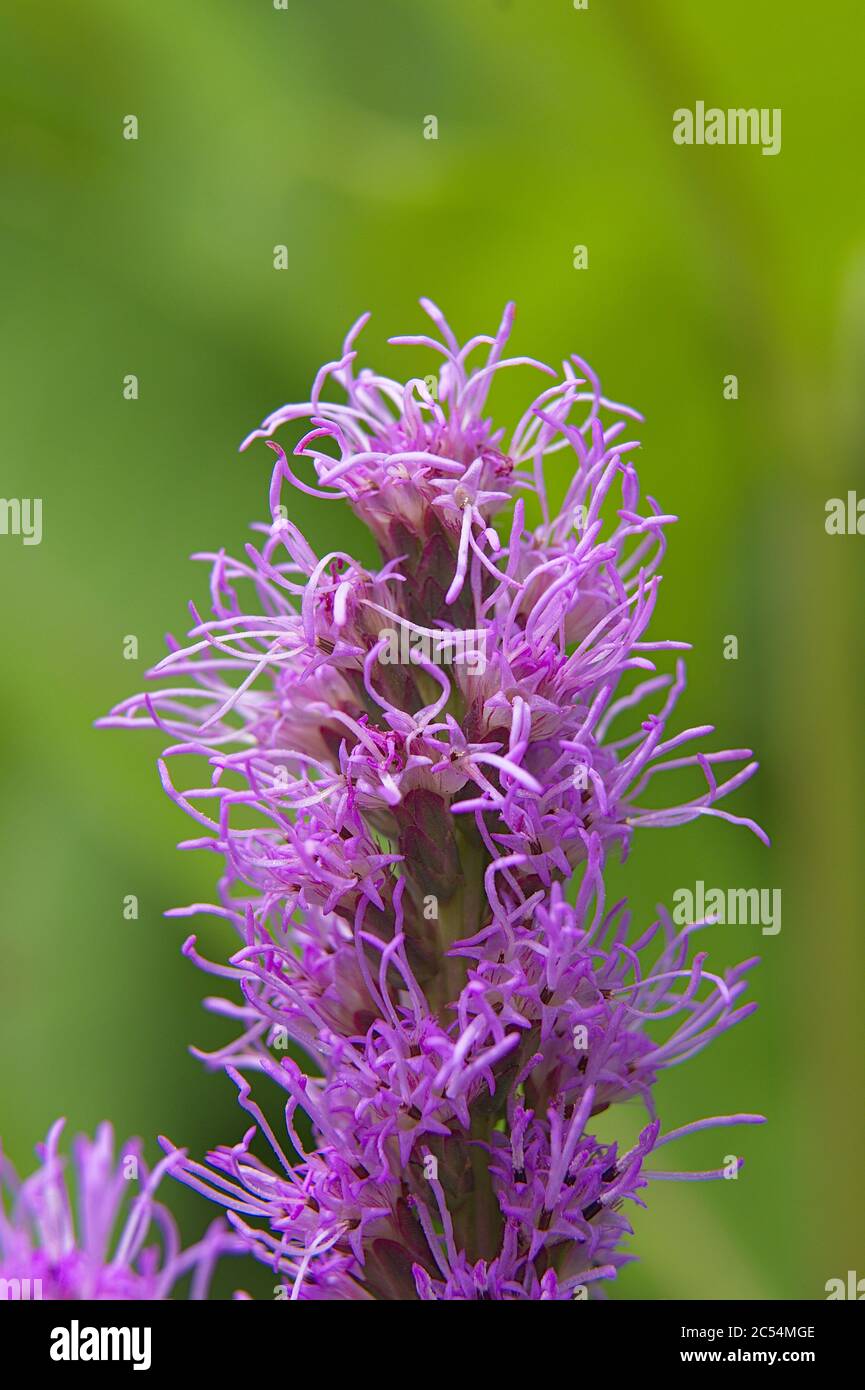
[[98, 1242]]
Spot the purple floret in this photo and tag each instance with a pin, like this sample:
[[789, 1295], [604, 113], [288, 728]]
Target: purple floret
[[103, 1238]]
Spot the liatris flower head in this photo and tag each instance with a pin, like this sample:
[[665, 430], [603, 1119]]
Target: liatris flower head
[[417, 774], [93, 1239]]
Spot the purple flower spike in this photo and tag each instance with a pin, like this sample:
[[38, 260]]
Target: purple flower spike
[[94, 1246], [415, 775]]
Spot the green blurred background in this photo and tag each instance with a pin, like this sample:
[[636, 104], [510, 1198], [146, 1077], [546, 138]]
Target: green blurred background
[[304, 127]]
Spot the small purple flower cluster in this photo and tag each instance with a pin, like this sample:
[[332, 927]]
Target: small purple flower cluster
[[52, 1247], [414, 850]]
